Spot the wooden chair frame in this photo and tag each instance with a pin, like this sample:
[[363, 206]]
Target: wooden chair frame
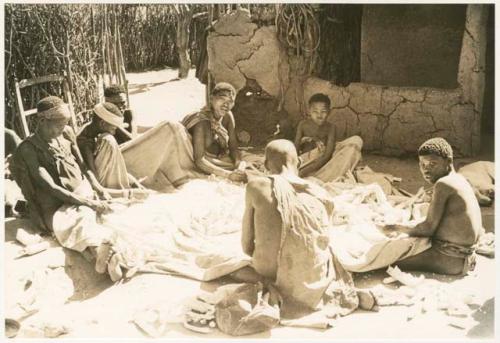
[[24, 113]]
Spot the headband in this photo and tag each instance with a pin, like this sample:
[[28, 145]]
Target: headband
[[59, 112]]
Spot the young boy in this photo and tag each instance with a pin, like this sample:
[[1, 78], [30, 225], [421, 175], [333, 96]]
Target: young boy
[[315, 141], [453, 220]]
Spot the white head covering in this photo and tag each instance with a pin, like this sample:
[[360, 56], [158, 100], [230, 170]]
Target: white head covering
[[109, 117]]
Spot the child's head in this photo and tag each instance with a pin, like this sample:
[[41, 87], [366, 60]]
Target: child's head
[[435, 159], [53, 114], [319, 108], [116, 95], [108, 117]]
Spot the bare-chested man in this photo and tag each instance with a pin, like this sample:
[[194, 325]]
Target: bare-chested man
[[453, 220]]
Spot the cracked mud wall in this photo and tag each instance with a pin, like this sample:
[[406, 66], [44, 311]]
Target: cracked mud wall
[[238, 50], [391, 120], [396, 120], [251, 59]]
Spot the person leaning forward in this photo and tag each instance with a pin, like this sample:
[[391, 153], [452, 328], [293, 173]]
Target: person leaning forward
[[64, 198], [453, 220]]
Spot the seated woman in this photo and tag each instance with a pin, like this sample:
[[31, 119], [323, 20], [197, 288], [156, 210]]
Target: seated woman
[[215, 144], [100, 150], [64, 198], [205, 142]]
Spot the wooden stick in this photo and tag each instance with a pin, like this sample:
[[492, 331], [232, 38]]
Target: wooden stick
[[114, 49], [122, 65], [103, 46]]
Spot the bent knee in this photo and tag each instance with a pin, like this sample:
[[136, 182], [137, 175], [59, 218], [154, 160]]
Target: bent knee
[[355, 140]]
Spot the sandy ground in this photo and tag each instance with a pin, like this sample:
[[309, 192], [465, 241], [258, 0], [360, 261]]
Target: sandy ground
[[70, 293]]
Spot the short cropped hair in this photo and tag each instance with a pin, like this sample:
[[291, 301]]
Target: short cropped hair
[[223, 87], [48, 102], [320, 97], [113, 90], [436, 146]]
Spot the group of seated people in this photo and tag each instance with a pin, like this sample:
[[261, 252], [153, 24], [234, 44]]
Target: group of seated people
[[56, 168]]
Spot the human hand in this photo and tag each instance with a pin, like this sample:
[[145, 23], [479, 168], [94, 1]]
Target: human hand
[[99, 206], [103, 194], [240, 165], [237, 176], [391, 230], [140, 193], [275, 298]]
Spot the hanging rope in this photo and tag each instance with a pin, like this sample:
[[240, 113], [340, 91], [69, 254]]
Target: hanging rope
[[298, 29]]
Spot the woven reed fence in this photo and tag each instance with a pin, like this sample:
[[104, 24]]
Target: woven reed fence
[[82, 41]]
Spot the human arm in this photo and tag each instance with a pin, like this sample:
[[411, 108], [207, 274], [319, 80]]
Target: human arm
[[109, 193], [435, 214], [247, 232], [44, 180], [298, 136], [233, 140], [325, 156], [220, 163], [85, 158], [201, 161], [131, 119]]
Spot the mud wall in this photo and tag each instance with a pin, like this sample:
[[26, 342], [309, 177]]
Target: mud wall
[[391, 120], [411, 45], [250, 59]]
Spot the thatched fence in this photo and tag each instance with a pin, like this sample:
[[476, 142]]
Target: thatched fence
[[82, 40]]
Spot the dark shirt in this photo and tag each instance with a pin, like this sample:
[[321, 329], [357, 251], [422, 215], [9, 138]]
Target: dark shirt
[[60, 162], [127, 118]]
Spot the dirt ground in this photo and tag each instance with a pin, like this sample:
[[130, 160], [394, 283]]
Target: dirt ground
[[70, 293]]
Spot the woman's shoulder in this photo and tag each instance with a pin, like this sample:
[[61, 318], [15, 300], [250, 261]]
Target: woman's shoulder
[[192, 119], [107, 138]]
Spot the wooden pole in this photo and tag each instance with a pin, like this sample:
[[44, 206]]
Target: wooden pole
[[115, 48], [103, 47], [122, 65]]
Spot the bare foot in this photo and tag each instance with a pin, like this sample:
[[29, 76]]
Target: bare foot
[[366, 300], [104, 252], [114, 268]]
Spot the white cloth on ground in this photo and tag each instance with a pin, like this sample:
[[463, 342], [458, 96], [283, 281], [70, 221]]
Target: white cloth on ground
[[360, 210]]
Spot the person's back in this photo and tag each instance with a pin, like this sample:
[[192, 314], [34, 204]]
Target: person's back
[[267, 226], [285, 230], [461, 221], [268, 222], [481, 176]]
